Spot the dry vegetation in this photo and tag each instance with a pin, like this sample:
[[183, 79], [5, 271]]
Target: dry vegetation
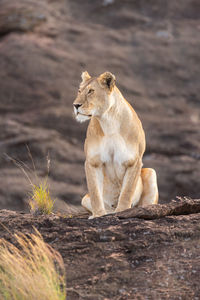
[[40, 200], [32, 272]]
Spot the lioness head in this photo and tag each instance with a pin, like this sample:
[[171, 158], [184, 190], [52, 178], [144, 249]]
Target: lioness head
[[94, 96]]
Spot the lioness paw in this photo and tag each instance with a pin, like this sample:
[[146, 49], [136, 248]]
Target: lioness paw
[[96, 215], [119, 209]]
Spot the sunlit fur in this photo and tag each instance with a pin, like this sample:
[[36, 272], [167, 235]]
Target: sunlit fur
[[114, 148]]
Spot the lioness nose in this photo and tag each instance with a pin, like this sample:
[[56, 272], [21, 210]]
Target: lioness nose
[[77, 105]]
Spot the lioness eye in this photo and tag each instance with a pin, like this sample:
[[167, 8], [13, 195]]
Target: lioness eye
[[90, 91]]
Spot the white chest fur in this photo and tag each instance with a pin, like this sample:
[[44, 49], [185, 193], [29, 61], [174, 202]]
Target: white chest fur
[[114, 149], [113, 153]]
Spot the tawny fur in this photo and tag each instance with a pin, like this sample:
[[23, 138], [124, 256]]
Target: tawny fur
[[114, 147]]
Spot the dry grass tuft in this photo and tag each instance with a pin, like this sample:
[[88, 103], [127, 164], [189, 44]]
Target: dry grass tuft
[[41, 201], [34, 271]]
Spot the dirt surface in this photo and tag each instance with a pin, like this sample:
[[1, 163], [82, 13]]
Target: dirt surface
[[153, 49], [150, 253]]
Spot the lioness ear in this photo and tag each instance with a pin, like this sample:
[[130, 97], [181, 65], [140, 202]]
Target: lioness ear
[[85, 76], [107, 80]]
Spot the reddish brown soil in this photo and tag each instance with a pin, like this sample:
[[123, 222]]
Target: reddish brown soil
[[153, 49], [150, 253]]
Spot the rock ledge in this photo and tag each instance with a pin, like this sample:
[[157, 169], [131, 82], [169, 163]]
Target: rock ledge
[[143, 253]]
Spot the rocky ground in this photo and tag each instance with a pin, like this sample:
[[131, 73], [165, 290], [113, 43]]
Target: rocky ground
[[153, 49], [150, 253]]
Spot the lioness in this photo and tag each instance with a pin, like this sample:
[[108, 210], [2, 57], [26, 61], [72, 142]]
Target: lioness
[[114, 147]]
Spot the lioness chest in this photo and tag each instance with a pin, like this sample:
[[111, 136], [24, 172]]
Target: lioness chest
[[114, 152]]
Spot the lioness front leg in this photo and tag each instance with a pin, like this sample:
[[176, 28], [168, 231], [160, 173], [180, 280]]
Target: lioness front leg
[[129, 185], [94, 176]]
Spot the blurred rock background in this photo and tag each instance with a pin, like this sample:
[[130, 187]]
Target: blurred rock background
[[153, 48]]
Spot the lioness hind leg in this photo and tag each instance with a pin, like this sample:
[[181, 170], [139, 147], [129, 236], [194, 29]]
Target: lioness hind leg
[[86, 203], [150, 187]]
